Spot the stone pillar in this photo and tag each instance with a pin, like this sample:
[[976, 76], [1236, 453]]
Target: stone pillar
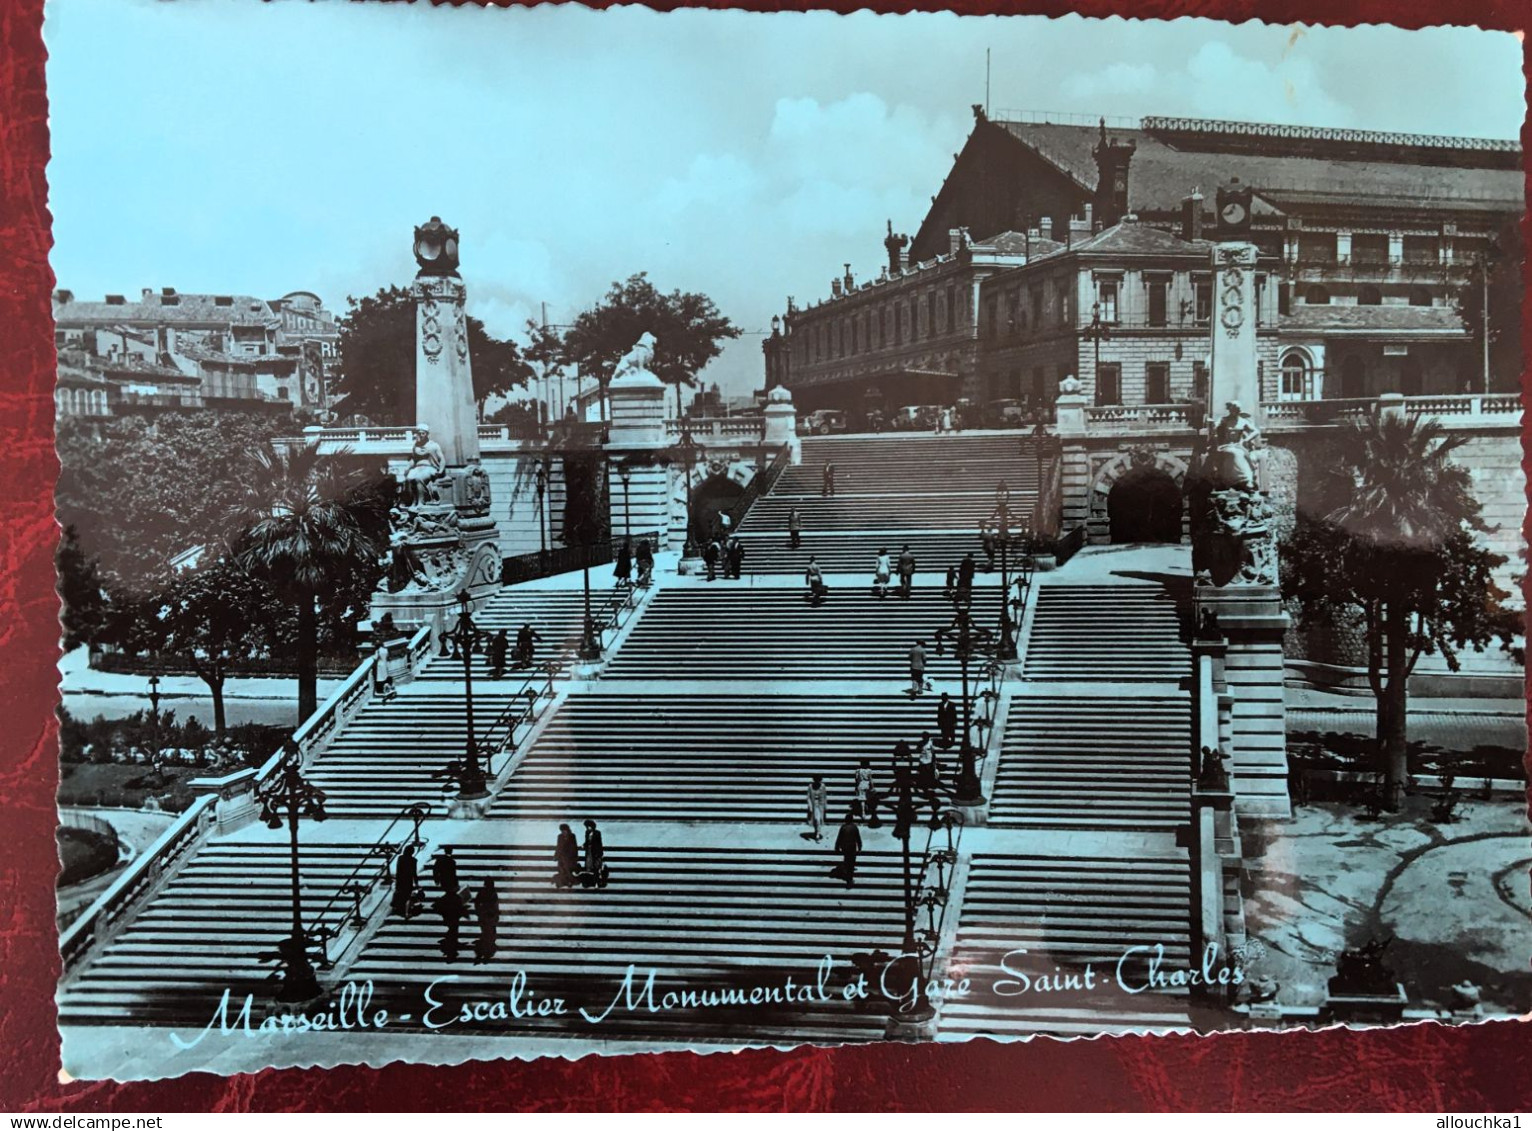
[[444, 400], [1391, 406], [1235, 375], [1074, 456], [782, 423], [636, 437]]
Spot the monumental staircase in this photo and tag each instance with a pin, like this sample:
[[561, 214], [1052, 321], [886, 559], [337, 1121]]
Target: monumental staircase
[[928, 492], [692, 744]]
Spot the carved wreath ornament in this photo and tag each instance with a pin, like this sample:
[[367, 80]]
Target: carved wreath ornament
[[431, 330]]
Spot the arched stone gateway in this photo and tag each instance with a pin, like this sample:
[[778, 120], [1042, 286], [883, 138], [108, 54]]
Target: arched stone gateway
[[1137, 496], [715, 485]]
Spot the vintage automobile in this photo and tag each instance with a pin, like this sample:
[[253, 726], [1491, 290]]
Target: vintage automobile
[[822, 422]]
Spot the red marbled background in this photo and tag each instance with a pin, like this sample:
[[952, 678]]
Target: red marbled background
[[1427, 1067]]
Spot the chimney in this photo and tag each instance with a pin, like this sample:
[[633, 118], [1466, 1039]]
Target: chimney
[[63, 298], [898, 257], [1047, 227], [1112, 158], [1079, 226], [850, 282], [1090, 224], [147, 291], [835, 288], [1191, 216]]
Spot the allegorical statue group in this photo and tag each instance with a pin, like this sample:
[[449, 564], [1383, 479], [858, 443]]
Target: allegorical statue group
[[1232, 532]]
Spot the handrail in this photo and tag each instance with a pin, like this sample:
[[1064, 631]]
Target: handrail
[[761, 484], [509, 719], [171, 846], [318, 929]]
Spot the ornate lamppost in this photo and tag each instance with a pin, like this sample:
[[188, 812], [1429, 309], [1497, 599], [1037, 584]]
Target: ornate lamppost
[[970, 642], [625, 473], [286, 795], [154, 722], [1097, 332], [1000, 522], [688, 449], [469, 774], [541, 482], [917, 1007]]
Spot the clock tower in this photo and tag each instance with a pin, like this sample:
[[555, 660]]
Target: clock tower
[[1234, 211]]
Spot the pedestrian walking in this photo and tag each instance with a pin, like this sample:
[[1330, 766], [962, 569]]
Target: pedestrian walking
[[927, 773], [952, 576], [965, 577], [818, 797], [945, 420], [710, 558], [406, 881], [736, 559], [645, 563], [861, 790], [624, 569], [527, 639], [906, 571], [444, 870], [382, 678], [453, 908], [486, 909], [499, 647], [566, 858], [882, 569], [947, 720], [794, 529], [918, 668], [848, 842], [814, 579], [596, 872], [827, 490]]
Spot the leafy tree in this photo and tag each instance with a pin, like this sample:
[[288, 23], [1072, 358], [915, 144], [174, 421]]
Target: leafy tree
[[687, 328], [546, 354], [87, 610], [377, 359], [1498, 273], [214, 617], [139, 492], [1389, 530], [299, 533]]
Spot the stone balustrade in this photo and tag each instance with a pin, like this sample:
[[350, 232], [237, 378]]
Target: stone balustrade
[[1132, 417]]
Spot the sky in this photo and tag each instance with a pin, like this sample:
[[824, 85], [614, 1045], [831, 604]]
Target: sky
[[235, 146]]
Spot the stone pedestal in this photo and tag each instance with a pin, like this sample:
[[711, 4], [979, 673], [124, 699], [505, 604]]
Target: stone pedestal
[[1365, 1009], [638, 439], [782, 423]]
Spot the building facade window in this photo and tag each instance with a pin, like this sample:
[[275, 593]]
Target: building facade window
[[931, 314], [1369, 296], [1297, 382], [1422, 250], [1157, 383], [1035, 295], [1369, 249], [1159, 295], [1109, 384], [1316, 296], [1420, 296], [1199, 381], [1106, 299], [1316, 247], [1353, 378], [949, 323], [1202, 288], [991, 315]]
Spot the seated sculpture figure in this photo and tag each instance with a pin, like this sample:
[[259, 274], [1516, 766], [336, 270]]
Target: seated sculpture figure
[[1235, 440], [427, 462]]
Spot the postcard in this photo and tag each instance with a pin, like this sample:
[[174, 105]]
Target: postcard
[[591, 532]]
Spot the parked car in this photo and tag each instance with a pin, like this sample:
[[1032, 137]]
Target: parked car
[[822, 422], [1004, 413]]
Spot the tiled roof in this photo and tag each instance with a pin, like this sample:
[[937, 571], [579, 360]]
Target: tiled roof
[[1016, 243], [243, 310], [1130, 238], [1160, 175], [1439, 319]]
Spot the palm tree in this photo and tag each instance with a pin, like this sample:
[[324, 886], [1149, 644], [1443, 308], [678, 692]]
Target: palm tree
[[299, 533], [1395, 537]]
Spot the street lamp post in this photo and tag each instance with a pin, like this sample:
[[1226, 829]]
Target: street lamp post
[[688, 448], [969, 640], [465, 637], [917, 1007], [590, 640], [154, 722], [287, 794], [625, 473], [542, 517], [1098, 331]]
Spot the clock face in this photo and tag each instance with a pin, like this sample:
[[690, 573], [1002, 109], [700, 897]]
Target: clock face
[[1233, 213]]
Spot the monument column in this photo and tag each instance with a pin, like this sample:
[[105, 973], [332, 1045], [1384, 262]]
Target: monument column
[[637, 440], [1233, 544], [441, 536]]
